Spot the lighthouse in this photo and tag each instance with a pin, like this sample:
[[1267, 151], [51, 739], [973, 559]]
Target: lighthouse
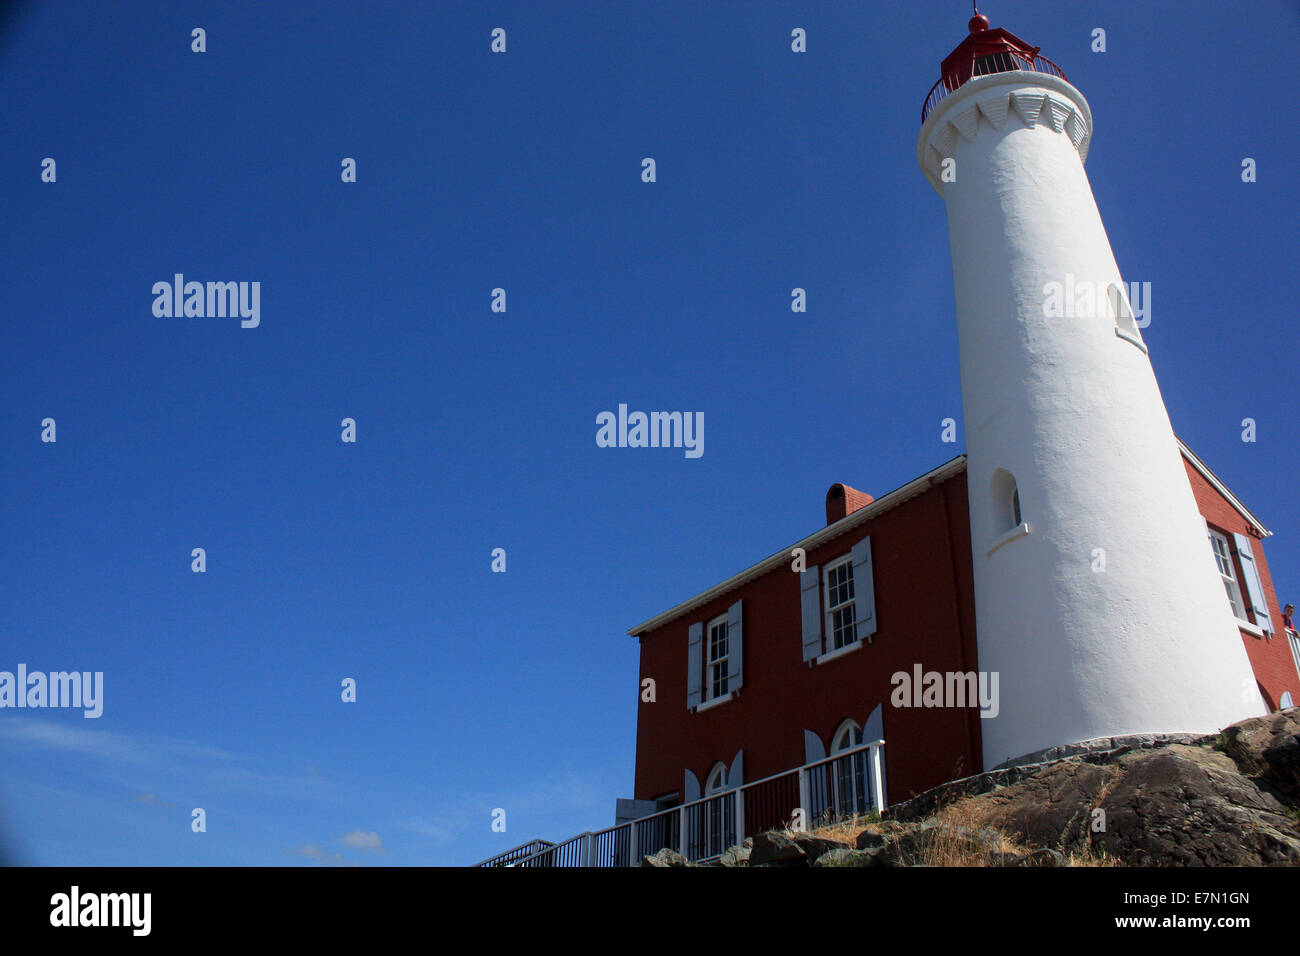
[[1097, 600]]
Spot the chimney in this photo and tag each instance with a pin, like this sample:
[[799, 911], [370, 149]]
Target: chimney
[[842, 501]]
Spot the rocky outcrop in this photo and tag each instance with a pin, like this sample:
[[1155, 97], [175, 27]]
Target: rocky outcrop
[[1267, 750], [1191, 806], [888, 844], [1231, 799], [791, 849]]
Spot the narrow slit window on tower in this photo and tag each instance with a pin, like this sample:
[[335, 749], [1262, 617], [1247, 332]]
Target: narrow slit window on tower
[[1004, 504], [1005, 499], [1122, 312]]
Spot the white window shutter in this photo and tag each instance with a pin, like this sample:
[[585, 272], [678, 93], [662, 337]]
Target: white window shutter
[[690, 788], [694, 664], [735, 647], [813, 748], [1254, 585], [828, 626], [736, 772], [864, 590], [872, 730], [811, 601]]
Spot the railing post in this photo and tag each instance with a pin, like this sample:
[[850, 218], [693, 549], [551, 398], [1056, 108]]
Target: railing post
[[805, 799], [631, 843], [681, 830], [740, 816], [877, 782], [588, 849]]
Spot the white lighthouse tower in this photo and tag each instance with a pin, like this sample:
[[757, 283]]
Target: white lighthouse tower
[[1096, 596]]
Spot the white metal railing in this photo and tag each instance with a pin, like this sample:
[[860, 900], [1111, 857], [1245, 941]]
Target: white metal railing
[[847, 784], [508, 857]]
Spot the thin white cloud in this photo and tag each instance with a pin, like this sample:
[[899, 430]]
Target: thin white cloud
[[310, 851], [141, 762], [360, 840], [106, 744]]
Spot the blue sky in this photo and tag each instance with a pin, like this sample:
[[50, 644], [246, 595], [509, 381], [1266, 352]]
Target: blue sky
[[475, 430]]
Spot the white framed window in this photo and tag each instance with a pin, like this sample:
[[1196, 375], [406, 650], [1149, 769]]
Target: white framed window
[[715, 683], [1223, 559], [841, 611], [837, 605], [715, 659]]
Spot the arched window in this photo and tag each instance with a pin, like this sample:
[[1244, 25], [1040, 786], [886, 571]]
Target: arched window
[[848, 736]]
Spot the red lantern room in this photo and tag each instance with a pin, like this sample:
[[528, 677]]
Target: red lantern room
[[985, 51]]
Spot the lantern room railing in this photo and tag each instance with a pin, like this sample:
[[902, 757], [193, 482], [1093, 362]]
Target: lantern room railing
[[1002, 62]]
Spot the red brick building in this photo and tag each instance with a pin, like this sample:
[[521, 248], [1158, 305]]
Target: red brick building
[[795, 658]]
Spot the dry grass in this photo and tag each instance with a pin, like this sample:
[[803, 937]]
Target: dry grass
[[949, 848], [845, 831]]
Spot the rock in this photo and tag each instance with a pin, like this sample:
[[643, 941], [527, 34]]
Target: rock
[[1190, 806], [735, 856], [815, 847], [878, 834], [666, 858], [1181, 800], [775, 847], [871, 840], [843, 856], [1052, 808], [931, 843], [1268, 749]]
